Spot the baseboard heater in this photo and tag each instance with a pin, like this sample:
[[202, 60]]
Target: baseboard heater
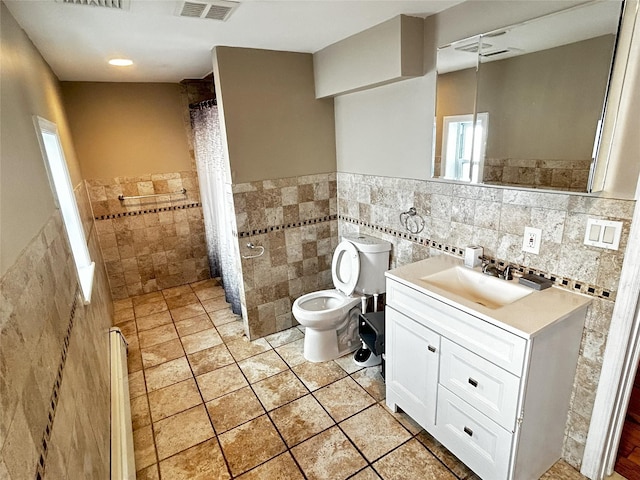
[[122, 457]]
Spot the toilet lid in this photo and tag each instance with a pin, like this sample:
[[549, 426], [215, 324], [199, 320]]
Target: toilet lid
[[345, 267]]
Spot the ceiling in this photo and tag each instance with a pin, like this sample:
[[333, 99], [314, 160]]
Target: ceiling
[[77, 40], [575, 24]]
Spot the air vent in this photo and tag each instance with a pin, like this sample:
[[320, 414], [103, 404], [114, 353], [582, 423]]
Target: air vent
[[502, 51], [218, 10], [115, 4], [497, 52], [472, 47]]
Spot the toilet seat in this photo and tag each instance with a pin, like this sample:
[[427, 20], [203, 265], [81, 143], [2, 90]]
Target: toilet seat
[[345, 267], [324, 305]]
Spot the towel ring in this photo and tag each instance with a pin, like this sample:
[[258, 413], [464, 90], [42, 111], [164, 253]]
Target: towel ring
[[251, 246], [413, 222]]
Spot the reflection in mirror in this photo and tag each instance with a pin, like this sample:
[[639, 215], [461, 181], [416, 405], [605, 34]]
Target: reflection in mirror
[[535, 93]]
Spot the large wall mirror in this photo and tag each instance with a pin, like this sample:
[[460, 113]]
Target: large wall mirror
[[523, 105]]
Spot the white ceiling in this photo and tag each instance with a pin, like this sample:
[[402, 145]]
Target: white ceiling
[[77, 40], [575, 24]]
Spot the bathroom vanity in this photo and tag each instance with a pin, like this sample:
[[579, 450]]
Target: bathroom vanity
[[486, 368]]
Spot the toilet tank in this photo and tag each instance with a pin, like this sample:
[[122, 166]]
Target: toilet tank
[[374, 261]]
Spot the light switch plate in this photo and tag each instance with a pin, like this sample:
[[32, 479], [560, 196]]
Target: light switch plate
[[531, 240], [603, 233]]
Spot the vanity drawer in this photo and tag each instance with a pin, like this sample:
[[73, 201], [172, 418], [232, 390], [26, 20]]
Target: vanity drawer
[[489, 341], [480, 443], [485, 386]]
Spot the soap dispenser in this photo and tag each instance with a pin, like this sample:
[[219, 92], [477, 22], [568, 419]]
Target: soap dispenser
[[473, 256]]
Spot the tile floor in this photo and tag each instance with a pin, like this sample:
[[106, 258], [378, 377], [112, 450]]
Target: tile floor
[[208, 404]]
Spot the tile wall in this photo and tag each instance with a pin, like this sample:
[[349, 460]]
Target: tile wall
[[152, 243], [568, 175], [550, 174], [54, 361], [458, 215], [295, 220]]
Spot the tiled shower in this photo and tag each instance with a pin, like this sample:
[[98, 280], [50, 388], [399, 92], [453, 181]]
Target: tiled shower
[[154, 242]]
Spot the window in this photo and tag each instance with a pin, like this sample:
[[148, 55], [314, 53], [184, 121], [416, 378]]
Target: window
[[462, 143], [60, 181]]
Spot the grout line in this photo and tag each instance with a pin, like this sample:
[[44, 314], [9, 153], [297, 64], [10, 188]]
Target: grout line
[[267, 413], [193, 376]]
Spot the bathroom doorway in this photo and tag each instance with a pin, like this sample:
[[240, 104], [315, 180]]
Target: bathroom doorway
[[628, 458]]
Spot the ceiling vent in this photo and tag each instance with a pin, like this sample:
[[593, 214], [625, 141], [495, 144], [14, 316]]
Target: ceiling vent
[[472, 47], [218, 10], [115, 4]]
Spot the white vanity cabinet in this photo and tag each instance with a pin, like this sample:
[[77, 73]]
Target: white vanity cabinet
[[497, 397], [415, 345]]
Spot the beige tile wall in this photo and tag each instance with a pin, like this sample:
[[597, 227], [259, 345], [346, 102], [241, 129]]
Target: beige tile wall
[[458, 215], [568, 175], [54, 361], [152, 243], [295, 220], [549, 174]]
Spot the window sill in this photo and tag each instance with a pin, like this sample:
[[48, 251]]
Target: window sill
[[86, 275]]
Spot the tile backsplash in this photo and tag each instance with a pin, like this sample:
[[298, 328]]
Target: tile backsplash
[[457, 215], [150, 243], [566, 175], [571, 175]]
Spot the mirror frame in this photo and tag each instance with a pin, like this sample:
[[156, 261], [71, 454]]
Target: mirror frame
[[611, 106], [598, 174]]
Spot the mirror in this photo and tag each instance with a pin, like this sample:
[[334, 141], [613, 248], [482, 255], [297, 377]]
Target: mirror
[[523, 105]]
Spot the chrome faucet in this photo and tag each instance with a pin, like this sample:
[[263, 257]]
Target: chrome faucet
[[494, 271], [506, 272], [489, 269]]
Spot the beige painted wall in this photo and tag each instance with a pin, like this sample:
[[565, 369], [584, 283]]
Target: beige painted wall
[[29, 88], [385, 53], [387, 130], [127, 129], [456, 95], [275, 127], [546, 105], [555, 95]]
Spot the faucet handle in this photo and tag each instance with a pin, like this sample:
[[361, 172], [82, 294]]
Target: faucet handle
[[507, 272]]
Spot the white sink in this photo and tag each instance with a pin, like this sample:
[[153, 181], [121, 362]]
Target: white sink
[[474, 286]]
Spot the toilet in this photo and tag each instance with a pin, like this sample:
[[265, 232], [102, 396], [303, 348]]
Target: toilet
[[330, 317]]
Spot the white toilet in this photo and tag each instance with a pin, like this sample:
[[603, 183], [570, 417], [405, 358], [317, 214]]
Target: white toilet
[[330, 317]]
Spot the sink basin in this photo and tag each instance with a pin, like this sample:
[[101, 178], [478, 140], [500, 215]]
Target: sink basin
[[474, 286]]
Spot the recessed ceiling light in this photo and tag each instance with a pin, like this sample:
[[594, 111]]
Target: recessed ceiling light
[[120, 62]]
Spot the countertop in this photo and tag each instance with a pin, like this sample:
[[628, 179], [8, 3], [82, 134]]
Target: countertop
[[526, 317]]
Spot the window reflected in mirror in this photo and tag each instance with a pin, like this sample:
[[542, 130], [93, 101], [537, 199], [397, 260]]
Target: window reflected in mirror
[[463, 151]]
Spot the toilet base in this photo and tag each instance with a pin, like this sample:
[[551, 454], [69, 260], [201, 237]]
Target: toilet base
[[325, 345], [322, 346]]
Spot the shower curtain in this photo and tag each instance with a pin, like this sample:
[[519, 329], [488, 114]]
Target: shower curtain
[[216, 198]]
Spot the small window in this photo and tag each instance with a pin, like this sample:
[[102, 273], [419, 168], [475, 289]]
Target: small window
[[463, 148], [56, 167]]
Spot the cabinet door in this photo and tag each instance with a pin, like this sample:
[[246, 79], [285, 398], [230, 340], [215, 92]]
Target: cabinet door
[[412, 356]]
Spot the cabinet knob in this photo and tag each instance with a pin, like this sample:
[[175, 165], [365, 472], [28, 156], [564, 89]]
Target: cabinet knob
[[472, 382], [431, 348], [468, 431]]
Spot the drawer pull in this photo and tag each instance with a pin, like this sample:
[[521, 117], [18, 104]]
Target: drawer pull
[[431, 348], [468, 431], [472, 382]]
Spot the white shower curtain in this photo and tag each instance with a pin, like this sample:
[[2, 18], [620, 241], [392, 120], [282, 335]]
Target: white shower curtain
[[216, 198]]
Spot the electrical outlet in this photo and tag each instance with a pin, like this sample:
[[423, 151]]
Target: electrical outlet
[[531, 240]]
